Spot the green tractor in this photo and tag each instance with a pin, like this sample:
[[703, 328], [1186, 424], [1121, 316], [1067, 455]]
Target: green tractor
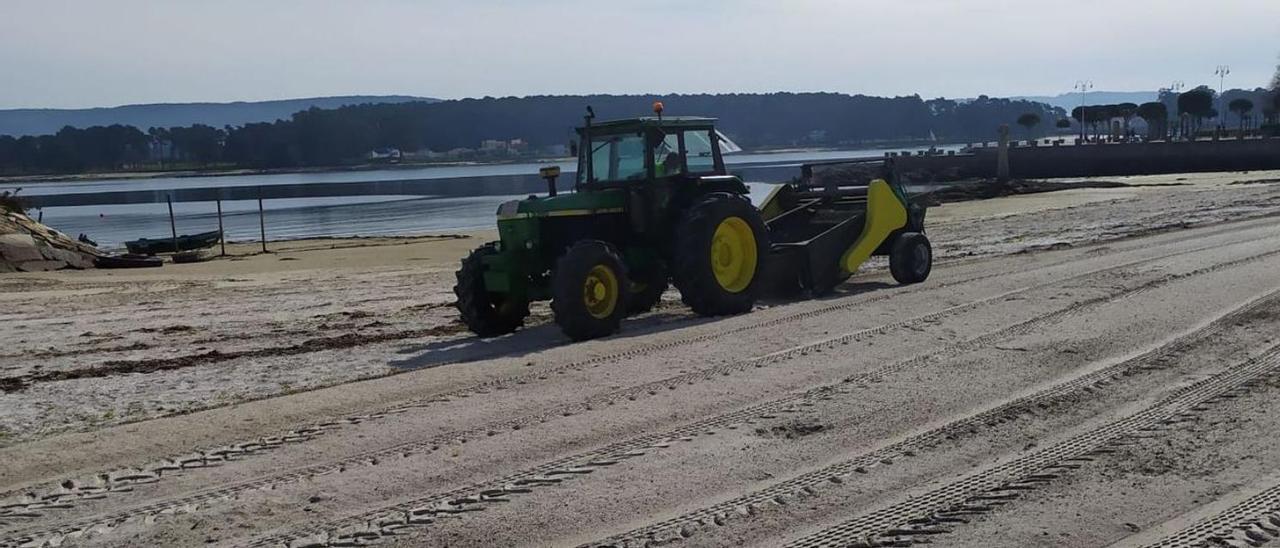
[[654, 203]]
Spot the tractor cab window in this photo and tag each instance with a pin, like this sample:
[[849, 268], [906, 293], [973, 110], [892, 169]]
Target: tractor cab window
[[666, 156], [699, 151], [617, 158]]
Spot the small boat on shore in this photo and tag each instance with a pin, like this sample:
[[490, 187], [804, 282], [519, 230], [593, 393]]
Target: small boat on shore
[[127, 261], [185, 242]]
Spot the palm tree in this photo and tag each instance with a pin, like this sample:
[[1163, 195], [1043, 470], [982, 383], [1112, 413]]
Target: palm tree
[[1102, 116], [1242, 107], [1126, 111], [1275, 102], [1029, 121], [1157, 117], [1198, 105], [1089, 117]]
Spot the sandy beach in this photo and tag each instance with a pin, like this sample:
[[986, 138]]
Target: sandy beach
[[260, 320], [342, 362]]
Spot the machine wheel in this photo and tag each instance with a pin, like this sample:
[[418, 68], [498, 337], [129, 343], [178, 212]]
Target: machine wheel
[[647, 288], [589, 290], [911, 258], [721, 248], [486, 314]]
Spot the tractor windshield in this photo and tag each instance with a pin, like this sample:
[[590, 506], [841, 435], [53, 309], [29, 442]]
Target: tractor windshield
[[700, 151], [615, 158]]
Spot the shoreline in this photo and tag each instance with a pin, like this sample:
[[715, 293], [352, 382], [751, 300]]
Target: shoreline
[[188, 173], [950, 205], [231, 172]]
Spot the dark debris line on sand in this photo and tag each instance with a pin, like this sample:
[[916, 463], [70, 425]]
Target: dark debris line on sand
[[982, 190], [124, 367]]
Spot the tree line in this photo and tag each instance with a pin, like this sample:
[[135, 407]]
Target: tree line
[[1184, 115], [321, 137], [329, 137]]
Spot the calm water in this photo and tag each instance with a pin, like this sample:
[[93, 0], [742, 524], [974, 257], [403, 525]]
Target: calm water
[[364, 215]]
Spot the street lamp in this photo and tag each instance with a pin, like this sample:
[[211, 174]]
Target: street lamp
[[1174, 89], [1221, 72], [1083, 86]]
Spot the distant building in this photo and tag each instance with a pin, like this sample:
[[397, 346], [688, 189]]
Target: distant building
[[391, 155], [500, 147]]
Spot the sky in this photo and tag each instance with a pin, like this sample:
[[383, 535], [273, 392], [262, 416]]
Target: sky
[[87, 53]]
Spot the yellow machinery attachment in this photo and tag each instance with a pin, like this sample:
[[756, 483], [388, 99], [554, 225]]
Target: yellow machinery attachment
[[885, 214]]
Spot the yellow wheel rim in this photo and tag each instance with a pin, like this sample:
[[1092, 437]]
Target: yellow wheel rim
[[600, 292], [733, 254]]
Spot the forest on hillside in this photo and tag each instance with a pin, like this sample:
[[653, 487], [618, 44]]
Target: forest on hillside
[[346, 135]]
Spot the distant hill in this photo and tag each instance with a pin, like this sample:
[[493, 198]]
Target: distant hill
[[1068, 101], [40, 121]]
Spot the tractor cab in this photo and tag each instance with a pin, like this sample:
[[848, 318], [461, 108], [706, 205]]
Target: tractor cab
[[641, 150], [658, 165]]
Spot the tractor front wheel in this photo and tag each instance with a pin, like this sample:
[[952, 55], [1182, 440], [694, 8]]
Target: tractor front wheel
[[719, 255], [486, 314], [911, 258], [589, 290]]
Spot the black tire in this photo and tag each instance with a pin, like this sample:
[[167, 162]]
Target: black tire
[[590, 290], [696, 276], [911, 258], [486, 314], [647, 287]]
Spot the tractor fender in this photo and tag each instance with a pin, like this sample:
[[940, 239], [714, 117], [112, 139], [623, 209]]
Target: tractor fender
[[722, 183], [886, 215]]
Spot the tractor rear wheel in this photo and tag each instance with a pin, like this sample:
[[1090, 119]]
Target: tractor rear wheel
[[486, 314], [589, 290], [911, 258], [647, 287], [721, 248]]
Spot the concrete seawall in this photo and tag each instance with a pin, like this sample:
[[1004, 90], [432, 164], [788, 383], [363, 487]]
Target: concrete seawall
[[1027, 162]]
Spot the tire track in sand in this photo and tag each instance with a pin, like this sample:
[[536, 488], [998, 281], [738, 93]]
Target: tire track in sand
[[929, 514], [424, 510], [1254, 521], [808, 484], [122, 480], [71, 491]]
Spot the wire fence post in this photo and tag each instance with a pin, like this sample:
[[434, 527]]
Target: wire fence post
[[262, 221], [222, 235], [173, 227]]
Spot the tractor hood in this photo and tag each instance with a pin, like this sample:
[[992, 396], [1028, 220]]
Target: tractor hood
[[564, 205]]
